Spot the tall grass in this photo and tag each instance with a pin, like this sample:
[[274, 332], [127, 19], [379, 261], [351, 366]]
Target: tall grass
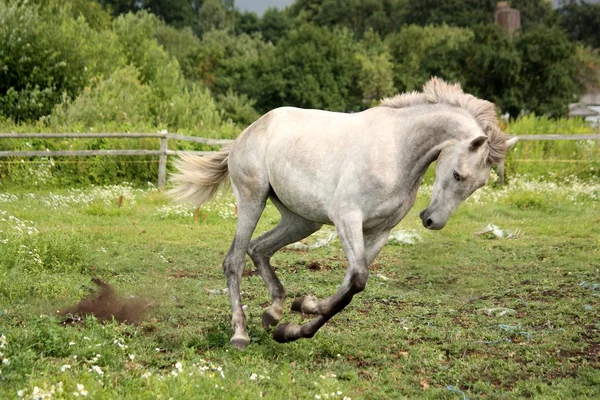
[[558, 158]]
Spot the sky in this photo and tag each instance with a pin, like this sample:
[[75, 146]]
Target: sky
[[259, 6]]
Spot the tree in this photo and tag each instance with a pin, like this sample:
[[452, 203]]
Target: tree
[[228, 62], [376, 74], [420, 52], [47, 55], [178, 13], [383, 16], [462, 13], [274, 25], [581, 21], [469, 13], [118, 7], [312, 67], [215, 14], [492, 68], [247, 22], [548, 71]]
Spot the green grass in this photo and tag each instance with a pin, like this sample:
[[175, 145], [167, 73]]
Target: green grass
[[456, 315]]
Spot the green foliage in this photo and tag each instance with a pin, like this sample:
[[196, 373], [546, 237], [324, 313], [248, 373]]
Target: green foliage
[[215, 15], [121, 99], [229, 63], [312, 67], [535, 13], [381, 16], [420, 52], [588, 68], [376, 74], [136, 35], [46, 54], [178, 13], [184, 46], [246, 22], [237, 108], [451, 12], [274, 25], [193, 110], [581, 21], [91, 11], [558, 158], [548, 72], [492, 68]]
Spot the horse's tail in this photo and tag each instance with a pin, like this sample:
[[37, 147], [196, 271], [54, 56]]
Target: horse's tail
[[198, 178]]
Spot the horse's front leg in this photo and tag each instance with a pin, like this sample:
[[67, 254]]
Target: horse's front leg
[[360, 250]]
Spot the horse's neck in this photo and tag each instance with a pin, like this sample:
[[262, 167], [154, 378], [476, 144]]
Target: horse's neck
[[423, 146]]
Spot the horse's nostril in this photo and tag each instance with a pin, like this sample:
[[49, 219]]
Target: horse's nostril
[[421, 214], [428, 223]]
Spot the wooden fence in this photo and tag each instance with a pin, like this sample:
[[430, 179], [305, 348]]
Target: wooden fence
[[163, 152]]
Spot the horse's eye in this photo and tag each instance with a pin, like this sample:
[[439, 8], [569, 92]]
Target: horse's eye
[[456, 176]]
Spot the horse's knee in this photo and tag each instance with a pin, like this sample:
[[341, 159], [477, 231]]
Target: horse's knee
[[232, 266], [359, 281], [254, 253]]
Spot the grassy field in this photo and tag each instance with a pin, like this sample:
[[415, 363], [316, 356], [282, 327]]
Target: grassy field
[[457, 314]]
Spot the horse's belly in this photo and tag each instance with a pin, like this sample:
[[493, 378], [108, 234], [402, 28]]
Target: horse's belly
[[307, 201]]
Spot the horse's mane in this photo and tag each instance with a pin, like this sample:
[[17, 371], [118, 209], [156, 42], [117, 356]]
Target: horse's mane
[[438, 91]]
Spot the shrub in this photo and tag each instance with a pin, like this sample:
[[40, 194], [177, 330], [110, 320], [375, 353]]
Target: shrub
[[46, 53], [120, 100]]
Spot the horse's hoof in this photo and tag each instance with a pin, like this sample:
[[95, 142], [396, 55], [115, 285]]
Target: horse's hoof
[[297, 304], [279, 333], [268, 320], [239, 343]]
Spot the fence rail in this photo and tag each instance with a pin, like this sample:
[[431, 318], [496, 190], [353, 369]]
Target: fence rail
[[163, 152]]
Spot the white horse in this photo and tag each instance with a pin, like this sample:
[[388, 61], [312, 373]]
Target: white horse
[[360, 172]]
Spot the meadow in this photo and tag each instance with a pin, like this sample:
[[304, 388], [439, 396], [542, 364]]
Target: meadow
[[502, 303]]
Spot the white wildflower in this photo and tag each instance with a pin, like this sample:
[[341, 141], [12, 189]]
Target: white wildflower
[[97, 370]]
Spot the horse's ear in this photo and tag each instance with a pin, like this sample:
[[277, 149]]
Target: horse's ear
[[511, 142], [477, 142]]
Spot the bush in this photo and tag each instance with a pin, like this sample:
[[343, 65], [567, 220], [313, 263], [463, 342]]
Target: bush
[[420, 52], [191, 110], [47, 54], [239, 109], [121, 100]]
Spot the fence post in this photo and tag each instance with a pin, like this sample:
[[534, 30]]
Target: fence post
[[162, 163], [501, 173]]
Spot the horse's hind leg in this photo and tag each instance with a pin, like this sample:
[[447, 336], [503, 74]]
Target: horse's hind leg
[[290, 229], [251, 201], [361, 251]]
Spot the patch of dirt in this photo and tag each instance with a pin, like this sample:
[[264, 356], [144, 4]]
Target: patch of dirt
[[105, 304], [179, 274], [314, 266], [250, 272]]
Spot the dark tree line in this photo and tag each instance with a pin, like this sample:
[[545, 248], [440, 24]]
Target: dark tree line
[[339, 55]]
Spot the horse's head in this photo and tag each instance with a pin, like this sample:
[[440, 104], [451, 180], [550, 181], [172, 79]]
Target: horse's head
[[462, 167]]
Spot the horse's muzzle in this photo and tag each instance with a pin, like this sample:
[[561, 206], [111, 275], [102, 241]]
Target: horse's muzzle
[[429, 222]]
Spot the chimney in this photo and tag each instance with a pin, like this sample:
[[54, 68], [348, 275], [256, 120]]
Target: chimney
[[508, 18]]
